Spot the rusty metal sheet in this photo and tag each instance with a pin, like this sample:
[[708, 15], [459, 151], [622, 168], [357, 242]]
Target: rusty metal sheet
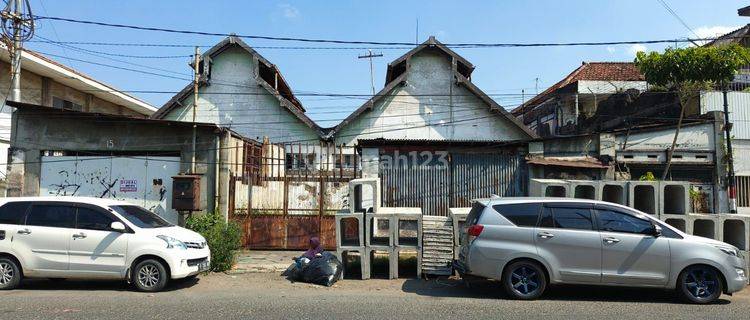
[[328, 232], [267, 232], [300, 229]]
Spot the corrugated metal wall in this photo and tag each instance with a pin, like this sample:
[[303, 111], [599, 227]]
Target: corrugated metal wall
[[739, 109], [439, 184]]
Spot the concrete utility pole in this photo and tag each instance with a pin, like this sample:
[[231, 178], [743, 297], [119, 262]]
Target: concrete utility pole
[[731, 188], [18, 26], [196, 78], [370, 55]]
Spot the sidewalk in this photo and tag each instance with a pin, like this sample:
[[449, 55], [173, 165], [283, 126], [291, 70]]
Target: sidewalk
[[262, 261]]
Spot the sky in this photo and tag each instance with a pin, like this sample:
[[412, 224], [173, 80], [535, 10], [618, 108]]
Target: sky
[[501, 72]]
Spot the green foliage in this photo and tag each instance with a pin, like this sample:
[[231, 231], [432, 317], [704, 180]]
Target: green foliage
[[674, 67], [649, 176], [223, 238]]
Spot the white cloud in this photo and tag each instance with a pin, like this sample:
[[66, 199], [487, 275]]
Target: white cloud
[[633, 49], [289, 11], [611, 49], [714, 31]]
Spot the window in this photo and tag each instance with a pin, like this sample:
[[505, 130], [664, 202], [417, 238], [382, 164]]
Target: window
[[613, 221], [300, 161], [521, 214], [93, 220], [345, 161], [141, 217], [60, 103], [13, 212], [476, 211], [59, 216], [567, 218]]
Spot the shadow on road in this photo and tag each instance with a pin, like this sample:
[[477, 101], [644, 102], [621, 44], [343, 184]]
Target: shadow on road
[[485, 289], [96, 285]]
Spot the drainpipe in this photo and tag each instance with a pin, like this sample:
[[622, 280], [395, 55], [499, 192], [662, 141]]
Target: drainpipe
[[731, 188]]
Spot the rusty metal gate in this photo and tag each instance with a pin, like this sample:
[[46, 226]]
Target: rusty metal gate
[[438, 180]]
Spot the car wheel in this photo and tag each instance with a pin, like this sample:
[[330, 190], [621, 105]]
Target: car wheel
[[524, 280], [149, 275], [10, 274], [699, 284]]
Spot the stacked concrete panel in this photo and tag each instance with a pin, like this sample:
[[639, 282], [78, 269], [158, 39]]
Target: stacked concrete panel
[[364, 198], [644, 196], [614, 191], [674, 197], [735, 230], [437, 245], [458, 217], [345, 216], [364, 260], [585, 189], [364, 195], [549, 188]]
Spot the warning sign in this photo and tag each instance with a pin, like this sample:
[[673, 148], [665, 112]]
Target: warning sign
[[128, 185]]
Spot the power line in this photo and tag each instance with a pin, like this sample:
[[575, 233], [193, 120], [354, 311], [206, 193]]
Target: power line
[[335, 41], [674, 14]]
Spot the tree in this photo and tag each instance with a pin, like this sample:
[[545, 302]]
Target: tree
[[687, 70]]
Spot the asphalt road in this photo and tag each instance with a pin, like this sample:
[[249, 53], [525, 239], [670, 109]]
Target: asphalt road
[[269, 296]]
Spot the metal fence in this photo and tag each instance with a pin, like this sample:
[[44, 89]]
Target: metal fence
[[440, 181]]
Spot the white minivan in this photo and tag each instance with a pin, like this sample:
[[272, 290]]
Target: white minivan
[[93, 238]]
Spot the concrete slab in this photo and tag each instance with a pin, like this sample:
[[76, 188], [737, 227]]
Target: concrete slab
[[260, 261]]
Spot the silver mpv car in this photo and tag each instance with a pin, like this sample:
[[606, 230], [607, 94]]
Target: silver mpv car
[[528, 243]]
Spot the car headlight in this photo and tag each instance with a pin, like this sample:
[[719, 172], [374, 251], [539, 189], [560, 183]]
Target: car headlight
[[172, 242], [729, 251]]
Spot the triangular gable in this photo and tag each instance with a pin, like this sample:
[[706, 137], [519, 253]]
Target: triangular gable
[[462, 73]]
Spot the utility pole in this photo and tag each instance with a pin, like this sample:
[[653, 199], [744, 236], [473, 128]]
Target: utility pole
[[18, 26], [731, 188], [370, 55], [196, 78]]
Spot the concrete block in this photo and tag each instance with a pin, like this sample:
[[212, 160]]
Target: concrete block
[[345, 216], [458, 215], [397, 255], [585, 189], [708, 227], [674, 197], [380, 229], [681, 222], [364, 195], [392, 259], [614, 191], [644, 196], [407, 225], [364, 260], [735, 230], [549, 188]]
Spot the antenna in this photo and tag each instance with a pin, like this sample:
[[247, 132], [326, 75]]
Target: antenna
[[416, 34], [370, 55]]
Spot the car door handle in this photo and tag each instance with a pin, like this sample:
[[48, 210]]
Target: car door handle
[[611, 240], [79, 235], [545, 235], [24, 231]]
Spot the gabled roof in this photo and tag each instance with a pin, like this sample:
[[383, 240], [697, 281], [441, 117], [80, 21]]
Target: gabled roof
[[736, 36], [397, 76], [593, 71], [43, 66], [283, 93]]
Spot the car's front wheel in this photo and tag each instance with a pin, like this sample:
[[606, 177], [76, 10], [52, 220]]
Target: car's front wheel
[[524, 280], [699, 284], [10, 274], [149, 275]]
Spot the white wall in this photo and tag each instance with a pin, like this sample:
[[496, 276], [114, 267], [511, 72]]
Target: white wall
[[605, 87], [422, 109]]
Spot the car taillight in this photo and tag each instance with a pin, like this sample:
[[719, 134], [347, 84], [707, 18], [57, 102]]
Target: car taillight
[[475, 230]]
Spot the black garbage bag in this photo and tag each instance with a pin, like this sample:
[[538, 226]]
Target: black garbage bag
[[325, 270]]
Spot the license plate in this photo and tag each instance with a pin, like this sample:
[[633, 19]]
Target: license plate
[[203, 266]]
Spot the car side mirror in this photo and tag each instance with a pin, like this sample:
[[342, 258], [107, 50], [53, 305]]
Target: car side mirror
[[118, 226], [656, 230]]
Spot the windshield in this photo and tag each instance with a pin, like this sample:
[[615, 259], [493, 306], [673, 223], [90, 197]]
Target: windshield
[[141, 217]]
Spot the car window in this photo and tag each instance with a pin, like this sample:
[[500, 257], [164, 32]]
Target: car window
[[476, 211], [521, 214], [13, 212], [567, 218], [141, 217], [614, 221], [91, 219], [52, 215]]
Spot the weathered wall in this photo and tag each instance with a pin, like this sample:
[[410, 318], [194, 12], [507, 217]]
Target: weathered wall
[[234, 99], [429, 106], [89, 136]]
